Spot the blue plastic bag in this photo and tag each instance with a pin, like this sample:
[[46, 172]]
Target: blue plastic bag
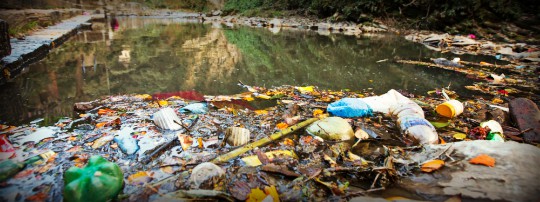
[[350, 107]]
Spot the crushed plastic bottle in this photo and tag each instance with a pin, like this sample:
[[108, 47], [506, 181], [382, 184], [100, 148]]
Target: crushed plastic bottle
[[445, 62]]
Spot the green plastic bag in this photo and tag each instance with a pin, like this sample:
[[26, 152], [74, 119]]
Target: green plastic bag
[[99, 180]]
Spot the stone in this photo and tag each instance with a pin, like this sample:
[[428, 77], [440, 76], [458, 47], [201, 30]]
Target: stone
[[332, 128], [513, 178], [525, 114]]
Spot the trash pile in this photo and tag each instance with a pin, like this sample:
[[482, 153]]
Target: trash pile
[[310, 144], [516, 73]]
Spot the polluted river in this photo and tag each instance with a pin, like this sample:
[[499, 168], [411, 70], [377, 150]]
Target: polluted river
[[163, 109]]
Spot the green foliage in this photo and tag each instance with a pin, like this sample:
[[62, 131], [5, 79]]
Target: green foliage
[[23, 29], [193, 5], [424, 14]]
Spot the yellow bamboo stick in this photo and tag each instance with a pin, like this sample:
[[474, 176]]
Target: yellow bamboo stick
[[261, 142]]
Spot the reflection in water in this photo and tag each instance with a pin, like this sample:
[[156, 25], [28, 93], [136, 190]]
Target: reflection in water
[[152, 55]]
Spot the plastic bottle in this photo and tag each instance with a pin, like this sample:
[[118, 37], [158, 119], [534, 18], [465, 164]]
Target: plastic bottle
[[450, 109], [9, 168], [409, 116]]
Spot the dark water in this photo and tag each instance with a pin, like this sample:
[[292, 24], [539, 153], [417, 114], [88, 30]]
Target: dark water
[[149, 55]]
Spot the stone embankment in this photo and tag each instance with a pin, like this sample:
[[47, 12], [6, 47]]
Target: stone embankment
[[35, 46], [5, 47]]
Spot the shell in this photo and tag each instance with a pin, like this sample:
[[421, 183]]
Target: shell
[[237, 136], [167, 119]]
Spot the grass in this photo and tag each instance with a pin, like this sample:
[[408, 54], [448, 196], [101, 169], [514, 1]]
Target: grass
[[14, 31]]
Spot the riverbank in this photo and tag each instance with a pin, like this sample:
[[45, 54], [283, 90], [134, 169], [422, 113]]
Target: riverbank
[[35, 46]]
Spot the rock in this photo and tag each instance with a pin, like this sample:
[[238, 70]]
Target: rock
[[275, 23], [525, 114], [5, 46], [332, 128], [513, 178], [498, 115], [83, 106]]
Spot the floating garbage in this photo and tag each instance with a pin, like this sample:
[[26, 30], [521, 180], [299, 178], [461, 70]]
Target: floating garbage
[[126, 142], [40, 134], [161, 162], [350, 107], [99, 180], [409, 116], [6, 149], [332, 128], [196, 108], [443, 61], [495, 130], [9, 168], [167, 119], [237, 136], [450, 109], [204, 172]]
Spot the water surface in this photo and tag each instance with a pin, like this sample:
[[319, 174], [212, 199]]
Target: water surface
[[153, 55]]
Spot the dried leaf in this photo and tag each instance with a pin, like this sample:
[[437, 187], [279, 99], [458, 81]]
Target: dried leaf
[[483, 159], [139, 178], [282, 126], [144, 96], [163, 103], [432, 165], [256, 195], [440, 124], [185, 141], [167, 169], [460, 136], [305, 90], [261, 112], [441, 141], [23, 173], [254, 159], [330, 160], [288, 142], [105, 111], [38, 197], [75, 149], [317, 112], [200, 141], [100, 125], [271, 190]]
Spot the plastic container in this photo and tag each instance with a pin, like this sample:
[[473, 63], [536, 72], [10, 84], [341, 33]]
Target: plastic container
[[450, 109]]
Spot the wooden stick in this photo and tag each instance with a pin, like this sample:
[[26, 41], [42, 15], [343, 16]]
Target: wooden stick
[[261, 142]]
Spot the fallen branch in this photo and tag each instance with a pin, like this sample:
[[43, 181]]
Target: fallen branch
[[261, 142], [150, 156]]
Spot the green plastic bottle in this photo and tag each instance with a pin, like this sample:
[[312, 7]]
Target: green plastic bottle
[[99, 180], [10, 168]]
